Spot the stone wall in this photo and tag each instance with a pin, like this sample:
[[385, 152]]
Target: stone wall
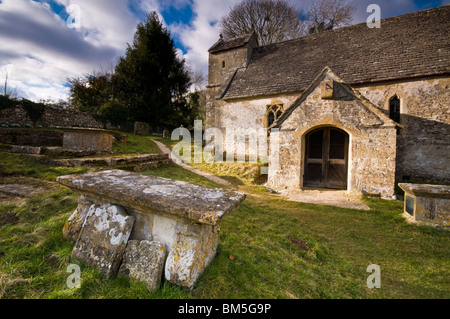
[[250, 117], [31, 137], [222, 66], [52, 116], [423, 144], [372, 142]]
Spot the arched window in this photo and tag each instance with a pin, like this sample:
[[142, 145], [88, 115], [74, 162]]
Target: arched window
[[394, 109], [273, 113]]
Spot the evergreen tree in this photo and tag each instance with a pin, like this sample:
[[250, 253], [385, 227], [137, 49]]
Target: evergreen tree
[[150, 79]]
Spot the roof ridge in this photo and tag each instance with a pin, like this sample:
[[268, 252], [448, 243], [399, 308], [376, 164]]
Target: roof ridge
[[326, 32], [222, 44], [414, 45]]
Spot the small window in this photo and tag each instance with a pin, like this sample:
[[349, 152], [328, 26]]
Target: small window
[[223, 64], [394, 109], [274, 112]]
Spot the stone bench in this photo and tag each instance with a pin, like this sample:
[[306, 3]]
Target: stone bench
[[177, 217], [427, 204]]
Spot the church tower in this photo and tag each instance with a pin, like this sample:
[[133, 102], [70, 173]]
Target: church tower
[[225, 58]]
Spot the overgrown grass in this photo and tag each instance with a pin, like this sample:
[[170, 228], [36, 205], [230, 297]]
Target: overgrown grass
[[135, 145], [247, 173], [260, 256], [269, 248], [16, 164]]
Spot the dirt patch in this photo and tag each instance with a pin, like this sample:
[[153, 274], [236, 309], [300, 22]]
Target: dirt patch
[[8, 218], [299, 243], [24, 187], [338, 198]]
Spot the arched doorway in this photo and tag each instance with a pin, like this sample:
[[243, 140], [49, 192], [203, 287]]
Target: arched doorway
[[326, 158]]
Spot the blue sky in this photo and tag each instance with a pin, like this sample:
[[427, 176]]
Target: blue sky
[[39, 50]]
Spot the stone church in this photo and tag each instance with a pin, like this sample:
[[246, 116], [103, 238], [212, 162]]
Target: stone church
[[354, 108]]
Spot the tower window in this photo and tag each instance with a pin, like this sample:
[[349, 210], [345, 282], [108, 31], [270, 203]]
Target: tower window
[[223, 64], [394, 109]]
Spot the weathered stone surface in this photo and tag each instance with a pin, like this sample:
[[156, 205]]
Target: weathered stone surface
[[30, 137], [52, 116], [141, 128], [194, 202], [24, 149], [104, 237], [74, 224], [141, 161], [372, 139], [88, 139], [192, 251], [181, 216], [144, 260], [431, 204]]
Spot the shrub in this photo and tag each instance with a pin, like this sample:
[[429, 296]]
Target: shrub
[[115, 112]]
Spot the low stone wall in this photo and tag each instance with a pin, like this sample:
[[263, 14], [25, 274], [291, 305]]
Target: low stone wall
[[30, 137], [146, 226], [427, 204], [52, 116], [137, 162], [80, 139]]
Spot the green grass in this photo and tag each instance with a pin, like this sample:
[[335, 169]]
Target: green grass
[[247, 173], [178, 173], [135, 145], [15, 164], [269, 248]]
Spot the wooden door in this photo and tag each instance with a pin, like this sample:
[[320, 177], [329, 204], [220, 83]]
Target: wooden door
[[326, 160]]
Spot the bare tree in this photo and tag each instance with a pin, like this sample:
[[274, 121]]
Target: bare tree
[[198, 79], [271, 20], [329, 14], [11, 93]]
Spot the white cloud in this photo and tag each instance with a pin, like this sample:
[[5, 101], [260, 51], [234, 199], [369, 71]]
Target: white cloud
[[203, 32], [105, 23], [44, 51]]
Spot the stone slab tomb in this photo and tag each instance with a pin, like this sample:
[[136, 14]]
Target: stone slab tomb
[[170, 228], [88, 139], [427, 204]]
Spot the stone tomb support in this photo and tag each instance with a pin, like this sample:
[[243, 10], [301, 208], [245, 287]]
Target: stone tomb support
[[427, 204], [88, 139], [181, 216]]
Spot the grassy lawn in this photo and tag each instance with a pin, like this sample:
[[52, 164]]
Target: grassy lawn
[[135, 145], [269, 247]]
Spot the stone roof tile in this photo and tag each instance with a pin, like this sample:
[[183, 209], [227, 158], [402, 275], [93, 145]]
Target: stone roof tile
[[236, 42], [410, 45]]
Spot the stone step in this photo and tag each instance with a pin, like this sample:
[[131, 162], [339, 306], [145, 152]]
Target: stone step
[[143, 161]]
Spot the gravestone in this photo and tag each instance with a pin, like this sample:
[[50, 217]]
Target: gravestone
[[427, 204], [103, 238], [72, 227], [144, 260], [141, 128]]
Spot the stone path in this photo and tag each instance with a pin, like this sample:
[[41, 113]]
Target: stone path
[[177, 161], [338, 198], [320, 197]]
